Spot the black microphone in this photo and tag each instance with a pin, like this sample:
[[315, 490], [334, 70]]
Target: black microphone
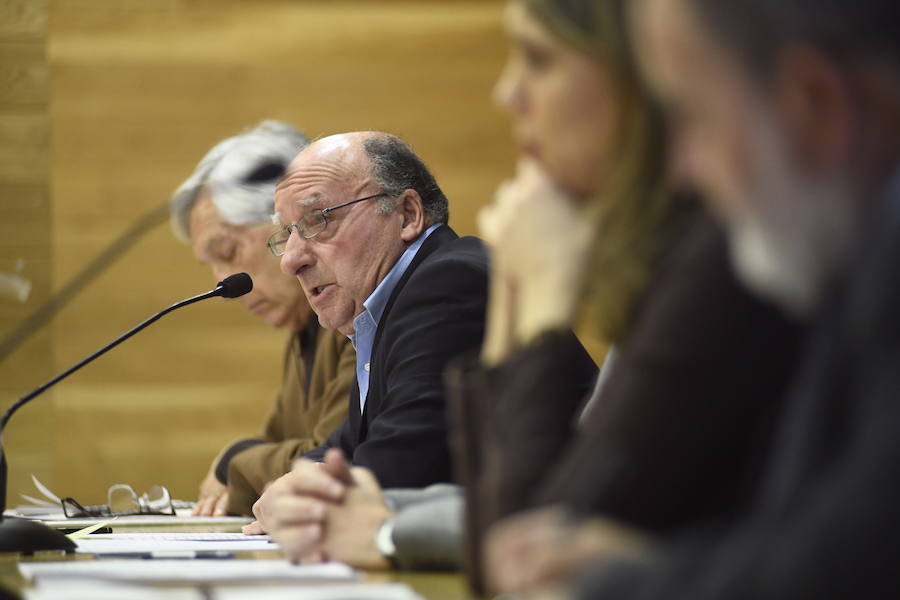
[[233, 286], [25, 535]]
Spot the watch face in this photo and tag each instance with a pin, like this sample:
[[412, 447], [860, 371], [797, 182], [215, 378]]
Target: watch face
[[384, 539]]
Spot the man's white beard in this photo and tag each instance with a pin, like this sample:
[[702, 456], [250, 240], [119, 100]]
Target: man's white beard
[[801, 231]]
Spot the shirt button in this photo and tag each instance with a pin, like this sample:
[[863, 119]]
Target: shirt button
[[366, 367]]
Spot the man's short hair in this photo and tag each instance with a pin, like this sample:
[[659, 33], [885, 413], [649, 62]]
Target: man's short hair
[[757, 30], [396, 168]]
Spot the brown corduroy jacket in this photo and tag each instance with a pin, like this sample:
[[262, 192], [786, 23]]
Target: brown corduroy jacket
[[298, 420]]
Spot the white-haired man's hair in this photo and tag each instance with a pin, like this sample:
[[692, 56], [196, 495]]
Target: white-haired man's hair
[[241, 172]]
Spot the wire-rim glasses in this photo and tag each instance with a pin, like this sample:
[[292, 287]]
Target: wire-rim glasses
[[311, 225], [123, 500]]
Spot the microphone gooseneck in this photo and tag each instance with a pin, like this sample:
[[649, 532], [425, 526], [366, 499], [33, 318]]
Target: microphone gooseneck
[[231, 287], [12, 535]]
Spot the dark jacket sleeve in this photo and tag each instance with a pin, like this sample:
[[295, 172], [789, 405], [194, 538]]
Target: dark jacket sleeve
[[440, 315], [510, 424], [840, 538], [834, 531], [680, 430], [339, 438]]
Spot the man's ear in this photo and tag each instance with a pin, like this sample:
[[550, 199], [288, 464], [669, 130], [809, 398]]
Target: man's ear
[[410, 207], [816, 103]]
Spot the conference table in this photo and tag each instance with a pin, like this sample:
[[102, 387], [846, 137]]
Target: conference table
[[429, 585]]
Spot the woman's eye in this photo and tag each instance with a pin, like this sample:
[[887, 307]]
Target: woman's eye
[[535, 58]]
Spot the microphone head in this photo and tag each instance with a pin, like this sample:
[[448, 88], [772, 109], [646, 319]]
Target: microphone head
[[235, 285]]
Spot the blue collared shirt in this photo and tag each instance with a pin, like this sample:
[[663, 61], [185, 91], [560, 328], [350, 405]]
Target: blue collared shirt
[[366, 323]]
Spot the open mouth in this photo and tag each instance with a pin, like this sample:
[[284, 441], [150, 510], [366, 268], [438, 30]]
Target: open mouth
[[317, 291]]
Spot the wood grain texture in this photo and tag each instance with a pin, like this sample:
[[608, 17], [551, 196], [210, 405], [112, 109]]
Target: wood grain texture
[[25, 218], [23, 20]]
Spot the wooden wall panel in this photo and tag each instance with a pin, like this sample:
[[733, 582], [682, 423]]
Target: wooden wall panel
[[25, 227]]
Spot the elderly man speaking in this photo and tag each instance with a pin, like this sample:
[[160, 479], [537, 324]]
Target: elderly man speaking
[[364, 231]]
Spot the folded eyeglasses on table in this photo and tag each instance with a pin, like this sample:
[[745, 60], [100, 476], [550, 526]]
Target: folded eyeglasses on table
[[122, 501]]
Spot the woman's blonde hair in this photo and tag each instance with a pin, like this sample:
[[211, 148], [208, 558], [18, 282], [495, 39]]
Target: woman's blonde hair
[[638, 211]]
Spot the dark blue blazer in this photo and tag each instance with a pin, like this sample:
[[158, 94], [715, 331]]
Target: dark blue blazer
[[436, 311]]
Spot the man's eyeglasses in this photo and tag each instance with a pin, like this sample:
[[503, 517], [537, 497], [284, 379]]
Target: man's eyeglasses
[[309, 226], [123, 500]]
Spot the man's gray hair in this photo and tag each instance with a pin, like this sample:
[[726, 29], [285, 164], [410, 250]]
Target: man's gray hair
[[241, 172], [757, 30], [396, 168]]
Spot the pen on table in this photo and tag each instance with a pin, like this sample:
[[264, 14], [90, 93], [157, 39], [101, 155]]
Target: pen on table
[[172, 554], [100, 531]]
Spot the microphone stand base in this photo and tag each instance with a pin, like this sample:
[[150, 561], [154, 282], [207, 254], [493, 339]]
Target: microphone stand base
[[28, 536]]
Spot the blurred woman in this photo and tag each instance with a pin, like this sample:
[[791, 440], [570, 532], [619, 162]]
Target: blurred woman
[[680, 419], [224, 210]]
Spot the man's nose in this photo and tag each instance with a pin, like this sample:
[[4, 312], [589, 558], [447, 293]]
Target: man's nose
[[221, 271], [508, 93], [297, 254]]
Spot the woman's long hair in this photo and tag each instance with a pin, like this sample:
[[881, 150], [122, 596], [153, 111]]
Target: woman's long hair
[[639, 214]]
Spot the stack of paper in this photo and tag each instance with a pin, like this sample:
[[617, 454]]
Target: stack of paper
[[350, 591], [186, 571], [94, 590], [103, 590], [156, 544]]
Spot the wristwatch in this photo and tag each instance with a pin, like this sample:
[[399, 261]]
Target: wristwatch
[[384, 540]]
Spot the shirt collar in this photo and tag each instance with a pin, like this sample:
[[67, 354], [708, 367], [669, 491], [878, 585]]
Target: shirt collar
[[377, 300]]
